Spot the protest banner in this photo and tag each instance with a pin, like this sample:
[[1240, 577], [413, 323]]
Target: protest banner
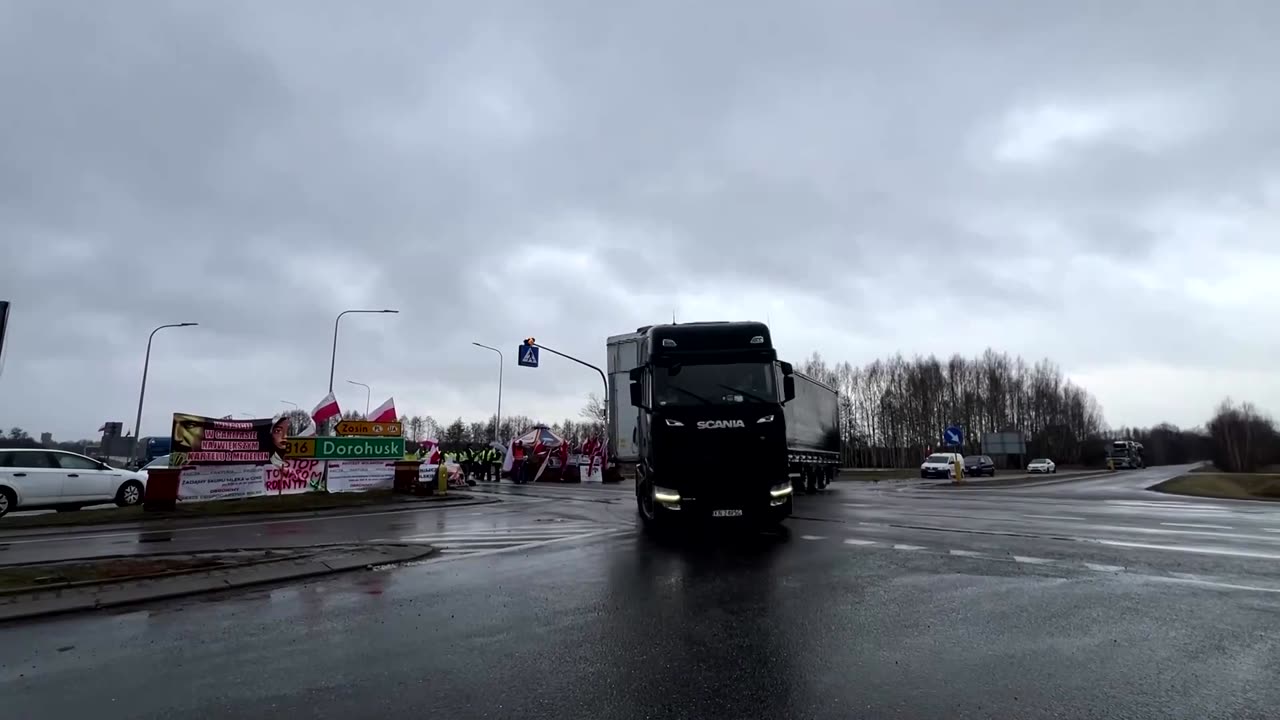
[[200, 440], [239, 480]]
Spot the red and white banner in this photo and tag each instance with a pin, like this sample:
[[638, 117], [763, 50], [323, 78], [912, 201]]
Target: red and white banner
[[199, 483]]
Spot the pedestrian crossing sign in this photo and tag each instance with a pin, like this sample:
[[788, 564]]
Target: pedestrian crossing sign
[[528, 355]]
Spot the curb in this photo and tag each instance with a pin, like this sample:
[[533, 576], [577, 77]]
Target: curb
[[152, 525], [75, 584], [132, 596]]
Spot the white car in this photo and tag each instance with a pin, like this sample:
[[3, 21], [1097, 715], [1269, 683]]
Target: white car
[[1042, 465], [32, 478], [941, 465]]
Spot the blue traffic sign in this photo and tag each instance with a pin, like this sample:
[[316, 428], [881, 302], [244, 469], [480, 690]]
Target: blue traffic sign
[[953, 436], [527, 355]]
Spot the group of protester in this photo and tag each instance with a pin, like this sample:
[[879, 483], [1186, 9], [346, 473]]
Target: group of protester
[[481, 462]]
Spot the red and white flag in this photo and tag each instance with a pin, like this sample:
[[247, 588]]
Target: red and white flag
[[328, 408], [386, 412]]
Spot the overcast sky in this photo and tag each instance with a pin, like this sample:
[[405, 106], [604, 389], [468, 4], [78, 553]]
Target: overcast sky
[[1093, 182]]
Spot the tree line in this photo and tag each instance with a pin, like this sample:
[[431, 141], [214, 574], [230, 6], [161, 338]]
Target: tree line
[[893, 411]]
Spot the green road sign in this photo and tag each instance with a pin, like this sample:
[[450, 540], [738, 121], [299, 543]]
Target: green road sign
[[348, 448]]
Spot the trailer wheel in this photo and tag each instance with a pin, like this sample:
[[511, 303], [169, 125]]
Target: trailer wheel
[[811, 479]]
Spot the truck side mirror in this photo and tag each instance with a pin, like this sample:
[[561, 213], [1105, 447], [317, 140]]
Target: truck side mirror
[[788, 388], [636, 386], [787, 369]]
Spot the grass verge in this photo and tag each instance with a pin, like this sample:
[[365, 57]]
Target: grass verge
[[268, 504], [115, 569], [1233, 486]]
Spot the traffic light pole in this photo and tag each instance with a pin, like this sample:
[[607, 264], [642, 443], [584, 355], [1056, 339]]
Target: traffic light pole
[[604, 401]]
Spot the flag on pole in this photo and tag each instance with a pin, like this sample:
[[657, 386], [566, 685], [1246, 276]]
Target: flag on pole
[[386, 412], [546, 459], [326, 410]]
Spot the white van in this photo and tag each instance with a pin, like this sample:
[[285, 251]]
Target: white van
[[941, 465]]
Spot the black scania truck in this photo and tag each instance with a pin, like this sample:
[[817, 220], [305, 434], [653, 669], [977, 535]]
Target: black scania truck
[[706, 428]]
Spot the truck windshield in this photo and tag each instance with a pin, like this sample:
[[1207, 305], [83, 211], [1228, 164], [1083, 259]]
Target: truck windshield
[[725, 384]]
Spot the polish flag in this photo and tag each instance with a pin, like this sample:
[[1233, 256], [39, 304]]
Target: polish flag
[[386, 412], [328, 408]]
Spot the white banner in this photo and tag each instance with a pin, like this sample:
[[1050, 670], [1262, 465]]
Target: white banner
[[361, 475], [220, 482], [199, 483], [295, 476]]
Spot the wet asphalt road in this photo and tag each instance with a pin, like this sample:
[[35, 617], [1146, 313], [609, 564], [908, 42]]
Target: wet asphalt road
[[1090, 598]]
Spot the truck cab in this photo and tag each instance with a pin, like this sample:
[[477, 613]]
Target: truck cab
[[711, 436]]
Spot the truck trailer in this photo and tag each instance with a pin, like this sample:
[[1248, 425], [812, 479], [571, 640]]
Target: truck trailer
[[708, 416], [813, 434]]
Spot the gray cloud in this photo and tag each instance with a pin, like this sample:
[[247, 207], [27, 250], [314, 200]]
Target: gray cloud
[[1089, 182]]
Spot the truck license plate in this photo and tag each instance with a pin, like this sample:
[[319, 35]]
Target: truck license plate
[[726, 513]]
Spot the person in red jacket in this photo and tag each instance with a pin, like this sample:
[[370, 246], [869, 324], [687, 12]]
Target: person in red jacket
[[517, 462]]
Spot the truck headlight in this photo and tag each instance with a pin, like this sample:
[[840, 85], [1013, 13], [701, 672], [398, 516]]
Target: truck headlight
[[781, 490], [765, 419], [666, 496]]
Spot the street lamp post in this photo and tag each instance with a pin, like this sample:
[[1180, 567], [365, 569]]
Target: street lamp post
[[367, 392], [146, 365], [497, 419], [333, 359]]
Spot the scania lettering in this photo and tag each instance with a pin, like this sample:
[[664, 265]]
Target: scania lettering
[[699, 409], [709, 424]]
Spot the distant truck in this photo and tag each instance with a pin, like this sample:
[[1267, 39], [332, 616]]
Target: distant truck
[[1126, 455], [151, 448], [714, 423]]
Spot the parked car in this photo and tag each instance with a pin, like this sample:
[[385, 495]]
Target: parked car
[[979, 465], [159, 462], [940, 465], [33, 478], [1042, 465]]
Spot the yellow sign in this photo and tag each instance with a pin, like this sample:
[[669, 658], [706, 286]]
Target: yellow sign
[[364, 427], [300, 447]]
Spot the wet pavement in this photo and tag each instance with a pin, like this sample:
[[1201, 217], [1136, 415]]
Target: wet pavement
[[1091, 598]]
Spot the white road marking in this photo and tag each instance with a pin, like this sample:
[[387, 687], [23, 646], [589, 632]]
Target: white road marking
[[908, 547], [1103, 568], [1277, 530], [966, 553], [813, 537], [1054, 517], [1198, 525], [1162, 531], [1213, 584], [1171, 504], [1031, 560], [855, 541], [1185, 548], [492, 533], [858, 505]]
